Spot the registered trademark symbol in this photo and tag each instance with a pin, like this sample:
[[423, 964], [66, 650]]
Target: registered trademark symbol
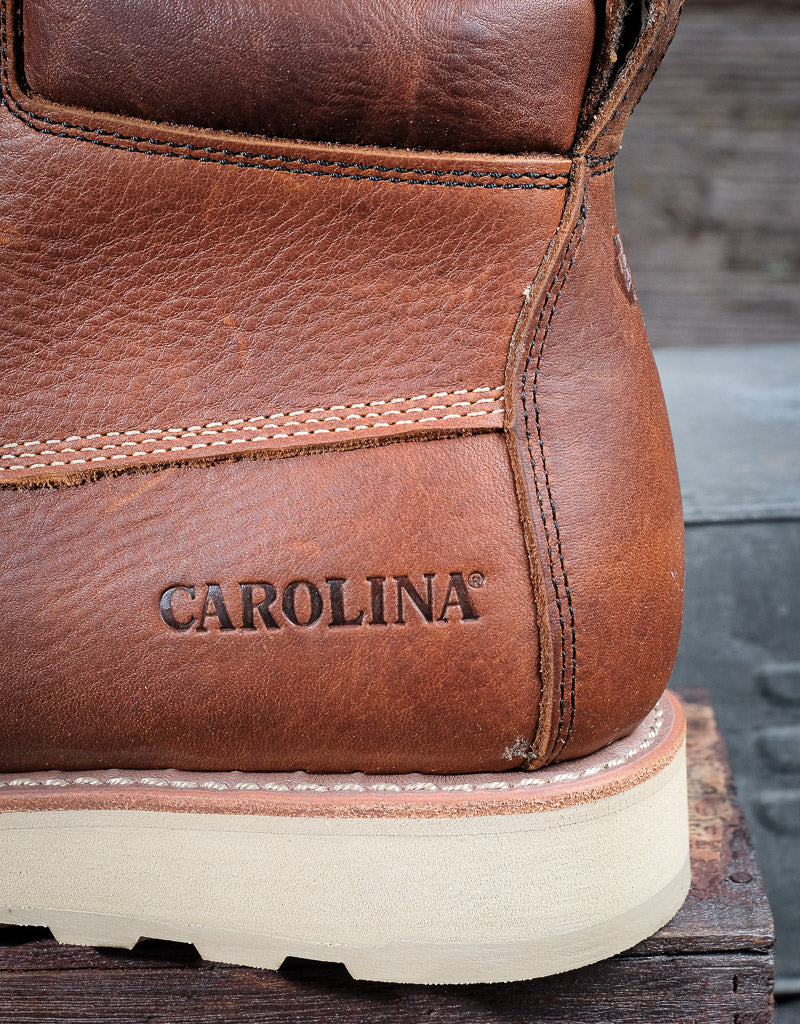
[[476, 579]]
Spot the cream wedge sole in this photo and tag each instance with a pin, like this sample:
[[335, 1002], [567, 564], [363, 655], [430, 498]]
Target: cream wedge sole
[[422, 879]]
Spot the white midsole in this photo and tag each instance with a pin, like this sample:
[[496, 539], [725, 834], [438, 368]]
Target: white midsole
[[487, 897]]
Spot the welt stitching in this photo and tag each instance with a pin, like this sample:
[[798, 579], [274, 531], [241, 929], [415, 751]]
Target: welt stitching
[[571, 247], [508, 781], [635, 78]]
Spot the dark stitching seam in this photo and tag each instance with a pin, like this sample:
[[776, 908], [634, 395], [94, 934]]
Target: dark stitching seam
[[573, 632], [531, 751], [291, 170], [596, 161], [27, 116], [581, 225]]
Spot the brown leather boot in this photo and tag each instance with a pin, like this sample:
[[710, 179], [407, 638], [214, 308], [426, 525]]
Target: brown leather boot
[[342, 547]]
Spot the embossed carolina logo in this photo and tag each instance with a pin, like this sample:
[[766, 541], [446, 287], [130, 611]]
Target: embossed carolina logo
[[374, 601]]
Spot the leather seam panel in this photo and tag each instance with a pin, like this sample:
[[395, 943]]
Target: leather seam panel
[[280, 167], [221, 156], [216, 427], [570, 255], [282, 426]]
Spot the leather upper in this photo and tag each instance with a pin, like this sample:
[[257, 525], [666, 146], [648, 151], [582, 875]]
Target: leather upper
[[317, 455], [482, 75]]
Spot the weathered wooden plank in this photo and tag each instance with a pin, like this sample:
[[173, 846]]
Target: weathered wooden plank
[[716, 989]]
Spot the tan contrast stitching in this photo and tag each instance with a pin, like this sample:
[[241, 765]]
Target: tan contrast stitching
[[178, 431], [241, 440], [199, 432], [304, 783], [287, 428]]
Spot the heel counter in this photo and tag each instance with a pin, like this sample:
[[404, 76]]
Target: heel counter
[[596, 462]]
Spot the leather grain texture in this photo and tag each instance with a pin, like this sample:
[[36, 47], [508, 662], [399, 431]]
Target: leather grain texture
[[106, 681], [480, 75], [236, 368], [217, 278]]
